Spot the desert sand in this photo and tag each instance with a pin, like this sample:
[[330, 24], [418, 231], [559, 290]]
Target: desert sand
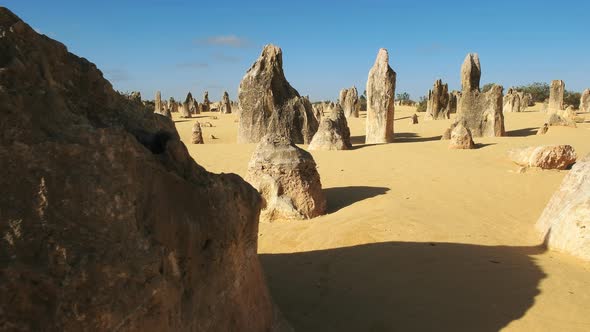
[[419, 237]]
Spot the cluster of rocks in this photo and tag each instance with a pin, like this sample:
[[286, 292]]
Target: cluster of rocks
[[441, 103], [479, 112], [349, 100], [333, 133], [191, 106], [515, 101], [107, 223], [380, 101], [269, 104]]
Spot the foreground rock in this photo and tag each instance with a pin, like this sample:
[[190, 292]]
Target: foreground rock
[[585, 101], [107, 223], [197, 137], [380, 101], [225, 104], [437, 107], [556, 96], [287, 178], [349, 100], [480, 112], [461, 138], [271, 105], [333, 133], [545, 157], [565, 222]]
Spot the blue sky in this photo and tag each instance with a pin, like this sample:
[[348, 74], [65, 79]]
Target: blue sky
[[178, 46]]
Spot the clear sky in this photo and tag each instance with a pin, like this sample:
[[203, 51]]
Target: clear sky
[[177, 45]]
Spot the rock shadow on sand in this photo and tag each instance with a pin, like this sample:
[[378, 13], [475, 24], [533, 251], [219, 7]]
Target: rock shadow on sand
[[413, 137], [405, 286], [341, 197], [524, 132]]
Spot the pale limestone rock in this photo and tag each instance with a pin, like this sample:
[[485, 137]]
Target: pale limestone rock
[[380, 101]]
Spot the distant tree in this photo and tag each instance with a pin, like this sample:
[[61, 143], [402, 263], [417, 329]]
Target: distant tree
[[487, 87], [404, 97], [539, 91], [572, 98], [422, 104]]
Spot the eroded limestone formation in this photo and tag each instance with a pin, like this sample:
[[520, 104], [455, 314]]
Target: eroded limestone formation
[[287, 178], [269, 104], [380, 101], [515, 101], [556, 96], [333, 133], [565, 223], [107, 222], [437, 107], [545, 156], [349, 100], [197, 136], [206, 105], [225, 104], [461, 138], [585, 101], [481, 113]]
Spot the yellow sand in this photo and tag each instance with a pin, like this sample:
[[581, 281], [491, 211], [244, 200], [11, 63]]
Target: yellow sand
[[419, 237]]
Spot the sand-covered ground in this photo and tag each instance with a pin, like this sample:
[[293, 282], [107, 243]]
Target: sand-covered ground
[[419, 237]]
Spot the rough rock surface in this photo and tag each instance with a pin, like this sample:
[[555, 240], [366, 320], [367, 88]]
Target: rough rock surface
[[556, 96], [206, 105], [480, 112], [106, 222], [437, 107], [543, 130], [454, 97], [560, 119], [414, 119], [135, 96], [514, 101], [197, 137], [565, 222], [288, 180], [333, 133], [380, 101], [225, 104], [545, 156], [349, 100], [461, 138], [585, 101], [269, 104], [158, 103]]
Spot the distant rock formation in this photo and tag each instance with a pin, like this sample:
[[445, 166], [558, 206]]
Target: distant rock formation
[[206, 105], [271, 105], [437, 107], [545, 156], [556, 96], [349, 100], [380, 101], [287, 178], [414, 119], [135, 96], [565, 222], [562, 118], [461, 138], [585, 101], [158, 103], [225, 104], [107, 222], [333, 133], [172, 105], [515, 101], [481, 113], [197, 137]]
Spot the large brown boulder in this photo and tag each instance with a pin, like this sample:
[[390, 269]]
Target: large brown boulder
[[333, 133], [107, 223], [269, 104], [565, 222], [556, 96], [480, 112], [585, 101], [287, 178], [349, 100], [545, 156], [437, 107], [380, 101]]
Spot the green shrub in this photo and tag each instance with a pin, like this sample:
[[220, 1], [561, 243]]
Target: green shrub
[[422, 104]]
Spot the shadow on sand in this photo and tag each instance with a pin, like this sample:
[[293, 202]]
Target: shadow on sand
[[522, 132], [412, 137], [341, 197], [405, 286]]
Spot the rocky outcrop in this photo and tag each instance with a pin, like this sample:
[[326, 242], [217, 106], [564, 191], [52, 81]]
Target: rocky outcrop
[[543, 130], [515, 101], [380, 101], [481, 113], [225, 104], [545, 157], [556, 96], [562, 119], [565, 222], [287, 178], [349, 100], [135, 96], [454, 97], [333, 133], [197, 136], [106, 222], [172, 105], [437, 107], [461, 138], [585, 101], [158, 103], [206, 105], [269, 104]]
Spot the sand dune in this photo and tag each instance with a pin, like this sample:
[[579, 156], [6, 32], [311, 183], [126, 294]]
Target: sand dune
[[419, 237]]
